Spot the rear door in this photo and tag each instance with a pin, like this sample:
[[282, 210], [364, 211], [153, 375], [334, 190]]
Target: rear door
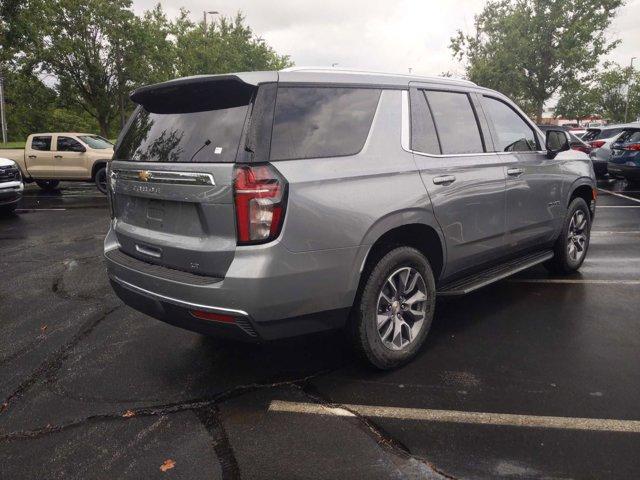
[[534, 182], [172, 174], [39, 157], [466, 184], [69, 158]]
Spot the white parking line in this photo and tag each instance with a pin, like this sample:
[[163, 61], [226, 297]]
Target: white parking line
[[39, 209], [616, 206], [614, 232], [455, 416], [575, 280], [619, 195]]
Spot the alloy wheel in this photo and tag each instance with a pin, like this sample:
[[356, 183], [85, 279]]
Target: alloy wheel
[[577, 236], [401, 308]]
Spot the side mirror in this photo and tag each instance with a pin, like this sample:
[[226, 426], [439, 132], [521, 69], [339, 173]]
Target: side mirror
[[556, 141]]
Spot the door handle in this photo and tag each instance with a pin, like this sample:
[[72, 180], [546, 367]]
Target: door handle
[[515, 172], [57, 156], [150, 251], [33, 156], [444, 180]]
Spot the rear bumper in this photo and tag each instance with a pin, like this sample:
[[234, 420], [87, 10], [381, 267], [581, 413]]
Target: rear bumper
[[626, 171], [269, 291]]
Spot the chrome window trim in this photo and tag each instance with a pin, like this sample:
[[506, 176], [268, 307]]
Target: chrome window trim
[[175, 301], [163, 176], [406, 132]]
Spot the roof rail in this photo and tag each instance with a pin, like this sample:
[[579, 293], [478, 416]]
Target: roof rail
[[371, 72]]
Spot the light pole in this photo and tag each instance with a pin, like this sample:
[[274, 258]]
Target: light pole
[[3, 118], [204, 14], [626, 107]]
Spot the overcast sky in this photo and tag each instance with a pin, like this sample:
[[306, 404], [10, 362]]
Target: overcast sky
[[375, 35]]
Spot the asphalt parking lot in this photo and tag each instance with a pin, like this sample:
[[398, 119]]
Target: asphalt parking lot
[[533, 377]]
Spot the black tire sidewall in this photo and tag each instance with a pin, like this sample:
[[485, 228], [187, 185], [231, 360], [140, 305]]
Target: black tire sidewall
[[366, 328], [562, 255], [101, 171], [48, 184]]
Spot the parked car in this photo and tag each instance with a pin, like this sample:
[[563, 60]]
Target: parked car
[[601, 139], [11, 185], [50, 157], [270, 204], [578, 131], [625, 160]]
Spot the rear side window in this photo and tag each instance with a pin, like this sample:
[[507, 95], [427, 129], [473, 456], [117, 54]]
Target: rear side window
[[423, 131], [312, 122], [455, 121], [512, 133], [41, 143]]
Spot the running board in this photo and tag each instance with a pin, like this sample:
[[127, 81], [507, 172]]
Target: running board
[[486, 277]]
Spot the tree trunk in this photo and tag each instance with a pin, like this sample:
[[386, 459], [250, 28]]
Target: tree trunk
[[539, 110], [104, 127]]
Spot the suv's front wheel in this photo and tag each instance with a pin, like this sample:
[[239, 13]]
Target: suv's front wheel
[[393, 312], [572, 245]]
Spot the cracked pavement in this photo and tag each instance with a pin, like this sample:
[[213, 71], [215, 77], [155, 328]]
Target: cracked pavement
[[90, 388]]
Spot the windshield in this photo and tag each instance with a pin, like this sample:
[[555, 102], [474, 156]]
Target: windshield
[[96, 141]]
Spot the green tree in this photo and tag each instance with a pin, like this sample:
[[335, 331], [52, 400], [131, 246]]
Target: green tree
[[530, 49], [228, 45], [605, 95]]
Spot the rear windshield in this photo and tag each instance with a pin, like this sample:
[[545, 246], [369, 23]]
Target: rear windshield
[[201, 123], [630, 136], [604, 134]]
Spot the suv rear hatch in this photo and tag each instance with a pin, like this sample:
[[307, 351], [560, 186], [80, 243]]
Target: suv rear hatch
[[171, 181]]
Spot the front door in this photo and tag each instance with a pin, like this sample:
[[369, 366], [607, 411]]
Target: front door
[[466, 184], [534, 182], [70, 158]]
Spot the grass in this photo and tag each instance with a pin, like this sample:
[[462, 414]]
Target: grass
[[12, 145]]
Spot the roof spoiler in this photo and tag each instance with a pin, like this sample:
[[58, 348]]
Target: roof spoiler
[[200, 93]]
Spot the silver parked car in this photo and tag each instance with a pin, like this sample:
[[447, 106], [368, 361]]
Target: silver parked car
[[11, 185], [270, 204]]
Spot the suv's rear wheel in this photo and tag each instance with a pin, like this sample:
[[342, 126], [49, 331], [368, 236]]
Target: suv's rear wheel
[[48, 184], [573, 243], [393, 313]]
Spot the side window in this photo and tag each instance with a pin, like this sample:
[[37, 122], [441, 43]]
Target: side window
[[423, 131], [455, 122], [41, 143], [68, 144], [313, 122], [513, 133]]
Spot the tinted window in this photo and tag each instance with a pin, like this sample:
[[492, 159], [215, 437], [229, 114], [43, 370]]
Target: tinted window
[[315, 122], [97, 142], [608, 133], [67, 144], [513, 134], [423, 130], [209, 136], [455, 121], [41, 143]]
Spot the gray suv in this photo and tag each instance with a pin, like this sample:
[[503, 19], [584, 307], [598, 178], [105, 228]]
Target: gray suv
[[265, 205]]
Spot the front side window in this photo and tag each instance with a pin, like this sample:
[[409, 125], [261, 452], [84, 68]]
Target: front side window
[[68, 144], [313, 122], [455, 122], [41, 143], [513, 134]]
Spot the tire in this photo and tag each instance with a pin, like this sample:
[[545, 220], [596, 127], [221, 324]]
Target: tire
[[101, 180], [8, 209], [48, 185], [382, 345], [573, 243]]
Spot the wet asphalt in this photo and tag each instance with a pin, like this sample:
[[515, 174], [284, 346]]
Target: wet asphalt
[[89, 388]]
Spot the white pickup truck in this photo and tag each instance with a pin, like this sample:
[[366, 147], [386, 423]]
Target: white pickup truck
[[50, 157]]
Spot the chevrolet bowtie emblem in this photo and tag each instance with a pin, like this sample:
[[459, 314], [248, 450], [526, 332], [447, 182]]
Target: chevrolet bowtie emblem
[[144, 175]]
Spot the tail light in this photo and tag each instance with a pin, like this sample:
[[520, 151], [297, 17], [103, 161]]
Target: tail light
[[597, 143], [260, 199], [582, 148], [634, 147]]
